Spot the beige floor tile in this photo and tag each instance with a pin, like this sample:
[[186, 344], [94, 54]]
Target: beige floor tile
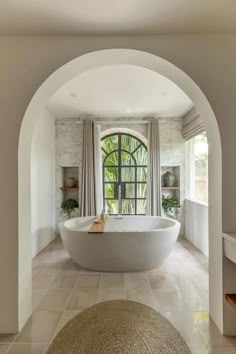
[[112, 281], [54, 300], [37, 296], [66, 317], [222, 349], [64, 281], [29, 348], [197, 348], [184, 281], [168, 300], [209, 332], [81, 299], [143, 296], [42, 280], [3, 348], [70, 267], [106, 295], [7, 338], [86, 271], [161, 282], [183, 322], [136, 281], [88, 281], [192, 300], [40, 327]]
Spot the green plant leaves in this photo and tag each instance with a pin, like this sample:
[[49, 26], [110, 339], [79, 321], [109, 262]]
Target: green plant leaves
[[169, 203], [68, 206]]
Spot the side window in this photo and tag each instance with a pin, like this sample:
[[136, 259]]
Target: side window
[[197, 165]]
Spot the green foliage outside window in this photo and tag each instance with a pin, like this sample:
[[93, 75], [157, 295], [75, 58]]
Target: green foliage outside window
[[124, 160]]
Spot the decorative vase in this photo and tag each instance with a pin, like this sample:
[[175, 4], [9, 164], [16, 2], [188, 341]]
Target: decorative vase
[[169, 179], [70, 182]]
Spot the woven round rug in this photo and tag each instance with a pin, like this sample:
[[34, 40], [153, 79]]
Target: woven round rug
[[118, 326]]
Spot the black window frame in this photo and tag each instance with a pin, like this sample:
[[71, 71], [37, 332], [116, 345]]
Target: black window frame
[[119, 150]]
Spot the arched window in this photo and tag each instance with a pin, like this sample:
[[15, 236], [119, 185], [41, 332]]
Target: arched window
[[124, 174]]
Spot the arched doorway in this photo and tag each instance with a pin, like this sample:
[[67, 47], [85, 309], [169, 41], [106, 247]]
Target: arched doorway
[[38, 102]]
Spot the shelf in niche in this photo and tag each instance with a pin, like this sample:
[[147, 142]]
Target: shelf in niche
[[72, 192], [166, 188], [231, 298]]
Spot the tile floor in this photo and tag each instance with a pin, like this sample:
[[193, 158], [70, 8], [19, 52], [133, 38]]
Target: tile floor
[[178, 289]]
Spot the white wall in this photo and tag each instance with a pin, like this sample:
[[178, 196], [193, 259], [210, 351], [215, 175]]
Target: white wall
[[196, 224], [43, 183]]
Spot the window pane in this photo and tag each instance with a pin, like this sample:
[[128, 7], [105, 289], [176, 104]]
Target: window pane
[[142, 174], [110, 174], [126, 158], [110, 143], [129, 190], [141, 155], [199, 168], [123, 153], [128, 206], [109, 190], [112, 159], [141, 206], [141, 190], [111, 206], [128, 174], [129, 143]]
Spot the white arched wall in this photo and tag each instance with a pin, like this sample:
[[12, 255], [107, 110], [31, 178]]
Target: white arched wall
[[32, 114]]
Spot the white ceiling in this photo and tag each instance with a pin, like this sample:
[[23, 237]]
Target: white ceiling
[[116, 17], [119, 91]]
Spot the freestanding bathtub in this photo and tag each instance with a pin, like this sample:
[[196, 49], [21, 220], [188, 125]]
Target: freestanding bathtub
[[129, 243]]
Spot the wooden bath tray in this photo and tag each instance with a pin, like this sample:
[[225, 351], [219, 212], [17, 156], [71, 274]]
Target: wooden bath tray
[[231, 298], [97, 227]]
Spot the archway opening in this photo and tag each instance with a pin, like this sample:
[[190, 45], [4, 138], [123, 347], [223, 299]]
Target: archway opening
[[32, 115]]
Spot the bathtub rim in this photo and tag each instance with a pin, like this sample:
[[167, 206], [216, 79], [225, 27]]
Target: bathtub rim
[[176, 223]]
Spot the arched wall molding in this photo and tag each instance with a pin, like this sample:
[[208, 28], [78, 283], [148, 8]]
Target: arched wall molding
[[39, 101]]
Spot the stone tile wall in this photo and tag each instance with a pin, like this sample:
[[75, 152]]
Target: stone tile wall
[[69, 151]]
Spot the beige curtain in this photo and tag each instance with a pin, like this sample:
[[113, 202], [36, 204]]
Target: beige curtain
[[154, 180], [91, 182]]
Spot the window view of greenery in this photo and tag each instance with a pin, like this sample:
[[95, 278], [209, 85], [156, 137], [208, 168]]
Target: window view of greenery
[[199, 168], [124, 167]]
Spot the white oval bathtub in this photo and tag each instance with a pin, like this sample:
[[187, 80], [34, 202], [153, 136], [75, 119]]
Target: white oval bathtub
[[129, 243]]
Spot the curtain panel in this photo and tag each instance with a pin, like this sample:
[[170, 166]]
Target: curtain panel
[[91, 182], [153, 176]]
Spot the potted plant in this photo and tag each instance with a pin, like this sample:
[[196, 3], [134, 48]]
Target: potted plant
[[170, 205], [68, 206]]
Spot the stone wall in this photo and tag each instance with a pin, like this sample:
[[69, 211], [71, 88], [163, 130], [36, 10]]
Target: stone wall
[[172, 146], [69, 150]]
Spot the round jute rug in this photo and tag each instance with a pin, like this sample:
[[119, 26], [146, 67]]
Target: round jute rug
[[118, 326]]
